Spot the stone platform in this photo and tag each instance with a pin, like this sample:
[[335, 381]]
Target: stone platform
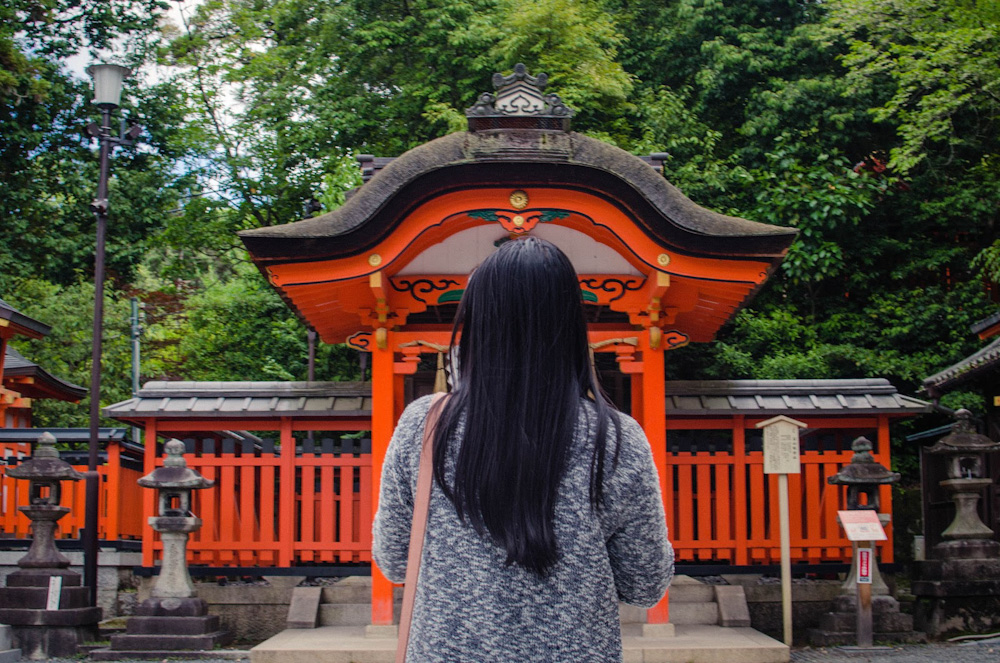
[[690, 644]]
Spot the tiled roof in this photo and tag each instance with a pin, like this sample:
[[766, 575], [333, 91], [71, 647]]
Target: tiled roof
[[791, 397], [984, 324], [347, 399], [46, 385], [986, 359], [24, 325], [217, 400]]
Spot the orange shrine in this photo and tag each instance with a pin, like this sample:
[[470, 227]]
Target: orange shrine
[[384, 272]]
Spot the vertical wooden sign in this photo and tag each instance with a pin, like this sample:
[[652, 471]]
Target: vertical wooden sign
[[781, 457]]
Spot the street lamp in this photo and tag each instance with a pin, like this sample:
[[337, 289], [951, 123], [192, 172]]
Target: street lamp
[[108, 79]]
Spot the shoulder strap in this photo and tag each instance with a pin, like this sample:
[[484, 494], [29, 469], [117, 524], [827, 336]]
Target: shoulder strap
[[421, 505]]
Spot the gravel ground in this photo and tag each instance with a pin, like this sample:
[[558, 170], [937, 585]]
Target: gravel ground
[[983, 651]]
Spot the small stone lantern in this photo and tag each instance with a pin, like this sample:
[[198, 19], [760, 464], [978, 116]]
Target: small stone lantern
[[44, 602], [174, 481], [174, 618], [967, 536], [45, 472], [863, 476]]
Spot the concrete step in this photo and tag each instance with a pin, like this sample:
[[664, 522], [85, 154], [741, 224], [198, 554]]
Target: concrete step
[[350, 614], [691, 644], [689, 612], [686, 589]]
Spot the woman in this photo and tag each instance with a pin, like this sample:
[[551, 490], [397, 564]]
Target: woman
[[545, 510]]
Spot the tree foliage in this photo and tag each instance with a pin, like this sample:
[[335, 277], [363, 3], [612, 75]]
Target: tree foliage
[[869, 125]]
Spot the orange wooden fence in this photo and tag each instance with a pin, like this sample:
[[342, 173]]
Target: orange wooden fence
[[270, 508], [120, 512], [722, 508], [313, 506]]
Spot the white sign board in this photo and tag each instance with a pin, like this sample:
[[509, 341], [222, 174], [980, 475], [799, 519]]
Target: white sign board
[[862, 525], [781, 445]]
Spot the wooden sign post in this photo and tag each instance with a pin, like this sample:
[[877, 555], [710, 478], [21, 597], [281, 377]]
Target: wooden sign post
[[781, 457], [863, 527]]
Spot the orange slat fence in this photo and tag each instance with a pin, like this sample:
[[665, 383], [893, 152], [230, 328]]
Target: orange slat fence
[[721, 507], [120, 513], [245, 519]]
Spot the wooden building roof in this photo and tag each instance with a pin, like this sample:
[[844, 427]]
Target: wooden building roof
[[795, 398], [18, 323], [32, 381], [244, 400]]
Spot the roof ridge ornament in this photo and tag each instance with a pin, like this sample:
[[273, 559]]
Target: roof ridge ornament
[[519, 103]]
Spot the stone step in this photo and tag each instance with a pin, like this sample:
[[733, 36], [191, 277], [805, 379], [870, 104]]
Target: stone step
[[691, 644], [172, 625], [690, 613], [350, 614], [158, 642], [685, 589]]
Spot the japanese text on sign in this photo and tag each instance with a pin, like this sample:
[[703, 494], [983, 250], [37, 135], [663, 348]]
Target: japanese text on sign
[[864, 566], [781, 449]]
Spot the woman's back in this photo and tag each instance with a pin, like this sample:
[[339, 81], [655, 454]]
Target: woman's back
[[473, 606]]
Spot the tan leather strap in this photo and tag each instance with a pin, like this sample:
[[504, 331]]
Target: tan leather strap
[[421, 505]]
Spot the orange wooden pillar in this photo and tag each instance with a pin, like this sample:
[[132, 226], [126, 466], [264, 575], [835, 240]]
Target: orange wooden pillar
[[286, 494], [112, 494], [148, 496], [383, 422], [654, 422]]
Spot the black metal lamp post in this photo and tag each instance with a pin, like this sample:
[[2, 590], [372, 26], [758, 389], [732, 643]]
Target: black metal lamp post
[[108, 79]]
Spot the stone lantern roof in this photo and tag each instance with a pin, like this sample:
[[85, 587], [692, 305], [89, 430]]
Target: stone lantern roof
[[963, 438], [45, 464], [863, 468], [175, 473]]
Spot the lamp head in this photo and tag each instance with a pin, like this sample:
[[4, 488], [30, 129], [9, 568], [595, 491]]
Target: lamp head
[[108, 79]]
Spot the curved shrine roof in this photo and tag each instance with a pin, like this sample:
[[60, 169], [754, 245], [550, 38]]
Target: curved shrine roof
[[518, 158]]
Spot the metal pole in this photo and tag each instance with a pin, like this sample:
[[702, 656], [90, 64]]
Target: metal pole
[[100, 207], [136, 332]]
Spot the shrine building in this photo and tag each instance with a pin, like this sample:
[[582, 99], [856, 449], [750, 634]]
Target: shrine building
[[384, 272]]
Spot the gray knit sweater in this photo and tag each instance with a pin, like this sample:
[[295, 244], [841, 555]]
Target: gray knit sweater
[[471, 607]]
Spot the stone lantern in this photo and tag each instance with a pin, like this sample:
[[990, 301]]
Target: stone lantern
[[967, 537], [863, 476], [173, 618], [44, 601], [958, 587]]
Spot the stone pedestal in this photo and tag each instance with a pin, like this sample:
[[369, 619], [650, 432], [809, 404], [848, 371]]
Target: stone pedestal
[[7, 654], [46, 623], [173, 620], [957, 596], [888, 623], [165, 627], [41, 633]]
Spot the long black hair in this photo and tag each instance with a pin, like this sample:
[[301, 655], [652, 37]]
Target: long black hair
[[523, 368]]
